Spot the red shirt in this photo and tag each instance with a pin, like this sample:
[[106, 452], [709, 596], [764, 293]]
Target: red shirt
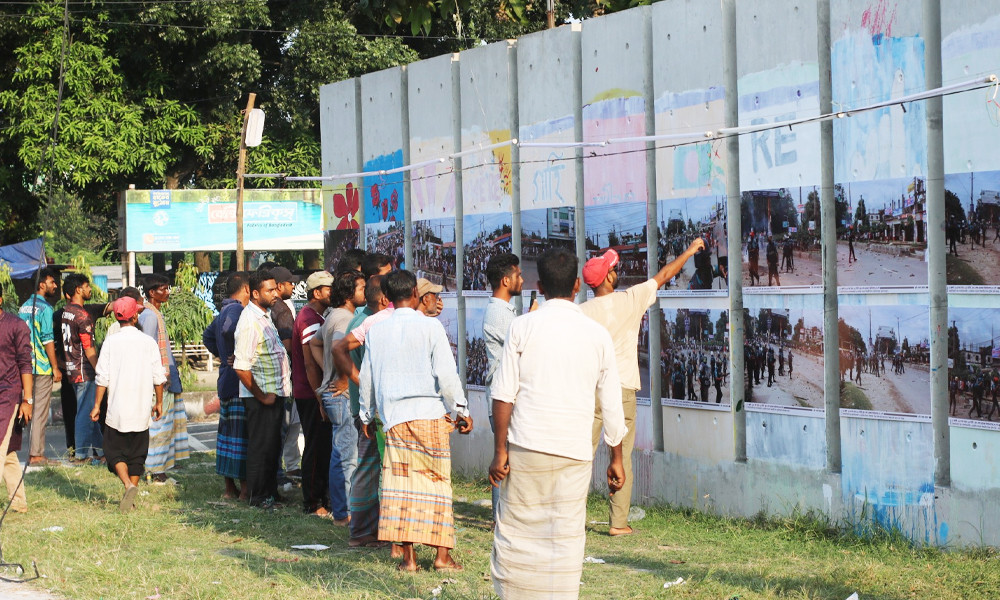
[[307, 326]]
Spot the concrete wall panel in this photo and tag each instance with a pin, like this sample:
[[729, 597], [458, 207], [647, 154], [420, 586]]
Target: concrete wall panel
[[382, 145], [340, 136], [705, 435], [789, 439], [975, 459], [432, 187]]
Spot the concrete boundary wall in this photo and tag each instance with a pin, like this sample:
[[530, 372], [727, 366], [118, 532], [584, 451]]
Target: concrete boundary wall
[[629, 84]]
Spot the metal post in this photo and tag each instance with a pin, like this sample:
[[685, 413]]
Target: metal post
[[514, 120], [828, 236], [404, 102], [577, 91], [936, 246], [734, 221], [359, 160], [240, 169], [456, 134]]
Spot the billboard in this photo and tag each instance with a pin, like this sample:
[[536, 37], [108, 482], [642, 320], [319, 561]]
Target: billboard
[[188, 220]]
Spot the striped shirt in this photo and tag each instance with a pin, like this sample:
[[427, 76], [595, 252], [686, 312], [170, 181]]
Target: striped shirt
[[307, 326], [37, 313], [259, 350]]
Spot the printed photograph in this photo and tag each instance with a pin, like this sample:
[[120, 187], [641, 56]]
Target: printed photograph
[[543, 229], [335, 243], [694, 359], [681, 222], [885, 358], [387, 238], [434, 251], [974, 363], [449, 318], [780, 237], [483, 237], [621, 227], [972, 228], [783, 356], [475, 344]]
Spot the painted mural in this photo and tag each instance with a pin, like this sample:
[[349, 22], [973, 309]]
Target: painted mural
[[691, 168], [616, 173], [548, 175]]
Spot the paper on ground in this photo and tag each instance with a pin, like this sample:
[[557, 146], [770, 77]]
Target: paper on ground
[[310, 547], [596, 561], [671, 584]]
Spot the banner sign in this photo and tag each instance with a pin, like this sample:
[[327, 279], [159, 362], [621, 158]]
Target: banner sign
[[188, 220]]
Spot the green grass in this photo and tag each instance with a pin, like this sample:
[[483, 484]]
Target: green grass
[[960, 272], [851, 396], [184, 546]]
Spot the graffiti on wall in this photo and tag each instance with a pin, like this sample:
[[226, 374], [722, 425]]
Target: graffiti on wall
[[614, 174]]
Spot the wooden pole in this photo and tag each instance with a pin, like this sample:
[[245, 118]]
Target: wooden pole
[[240, 257]]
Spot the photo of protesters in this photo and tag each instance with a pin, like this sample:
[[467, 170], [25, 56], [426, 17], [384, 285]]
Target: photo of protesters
[[683, 220], [783, 355], [543, 229], [881, 235], [434, 251], [335, 243], [972, 228], [449, 318], [475, 345], [483, 237], [885, 358], [694, 355], [974, 363], [780, 237], [619, 227], [387, 238]]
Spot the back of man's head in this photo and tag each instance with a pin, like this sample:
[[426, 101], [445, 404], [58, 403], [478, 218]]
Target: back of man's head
[[373, 291], [557, 270], [236, 282], [343, 287], [131, 292], [267, 265], [500, 266], [399, 285], [73, 282], [374, 262], [351, 260]]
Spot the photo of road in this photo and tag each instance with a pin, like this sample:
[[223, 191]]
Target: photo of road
[[974, 363], [884, 358], [681, 221], [972, 230], [543, 229], [783, 354], [780, 243]]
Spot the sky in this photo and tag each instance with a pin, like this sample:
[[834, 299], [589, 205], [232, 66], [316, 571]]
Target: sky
[[623, 218], [877, 194], [976, 325], [694, 209], [476, 224], [960, 184], [914, 321]]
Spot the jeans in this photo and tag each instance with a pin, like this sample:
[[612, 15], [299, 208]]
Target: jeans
[[88, 433], [343, 453]]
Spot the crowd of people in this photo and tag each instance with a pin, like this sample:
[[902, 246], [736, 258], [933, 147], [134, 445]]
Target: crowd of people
[[475, 358], [978, 390], [689, 371], [391, 243], [972, 232], [477, 257], [764, 363], [431, 258]]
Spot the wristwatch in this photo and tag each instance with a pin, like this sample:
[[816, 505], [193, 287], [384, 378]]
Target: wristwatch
[[29, 401]]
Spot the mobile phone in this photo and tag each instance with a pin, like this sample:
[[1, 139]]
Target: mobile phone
[[534, 298]]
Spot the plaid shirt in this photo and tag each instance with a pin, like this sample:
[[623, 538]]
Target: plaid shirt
[[259, 350]]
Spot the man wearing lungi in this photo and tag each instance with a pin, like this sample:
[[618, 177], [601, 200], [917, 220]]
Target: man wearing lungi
[[409, 375], [555, 362]]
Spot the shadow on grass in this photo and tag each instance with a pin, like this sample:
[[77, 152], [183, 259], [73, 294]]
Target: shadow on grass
[[66, 483]]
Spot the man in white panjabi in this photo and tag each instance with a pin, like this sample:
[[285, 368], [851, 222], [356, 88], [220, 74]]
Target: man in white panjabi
[[554, 363]]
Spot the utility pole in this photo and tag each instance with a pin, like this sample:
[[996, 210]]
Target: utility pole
[[240, 168], [550, 12]]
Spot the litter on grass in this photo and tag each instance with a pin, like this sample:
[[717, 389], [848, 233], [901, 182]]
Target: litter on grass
[[485, 503], [671, 584], [155, 596], [853, 596], [53, 529], [596, 561], [310, 547], [636, 514]]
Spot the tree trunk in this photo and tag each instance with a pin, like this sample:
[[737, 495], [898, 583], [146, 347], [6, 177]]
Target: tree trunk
[[159, 262], [310, 259], [203, 261]]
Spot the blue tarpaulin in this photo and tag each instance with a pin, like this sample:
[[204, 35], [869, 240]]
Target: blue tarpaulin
[[23, 259]]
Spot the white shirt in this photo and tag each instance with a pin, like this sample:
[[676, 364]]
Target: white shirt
[[555, 361], [409, 372], [129, 366]]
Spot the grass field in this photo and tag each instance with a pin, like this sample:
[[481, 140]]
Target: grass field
[[851, 396], [184, 542]]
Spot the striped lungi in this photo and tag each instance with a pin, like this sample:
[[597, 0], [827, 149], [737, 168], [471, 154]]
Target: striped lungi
[[168, 438], [416, 484], [231, 441], [538, 542]]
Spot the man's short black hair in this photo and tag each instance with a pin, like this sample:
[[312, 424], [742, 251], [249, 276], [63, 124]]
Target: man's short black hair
[[373, 262], [73, 282], [235, 283], [343, 287], [373, 290], [267, 266], [557, 270], [500, 266], [45, 274], [131, 292], [399, 285], [152, 281], [351, 260], [257, 279]]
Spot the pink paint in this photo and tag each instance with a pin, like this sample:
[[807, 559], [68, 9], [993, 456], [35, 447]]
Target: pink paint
[[878, 17]]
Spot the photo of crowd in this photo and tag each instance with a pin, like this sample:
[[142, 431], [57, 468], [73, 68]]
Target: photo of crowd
[[475, 344], [543, 229], [972, 228], [683, 220], [335, 243], [885, 358], [483, 237], [783, 354], [388, 238], [694, 355], [974, 363], [449, 318], [621, 227], [434, 251]]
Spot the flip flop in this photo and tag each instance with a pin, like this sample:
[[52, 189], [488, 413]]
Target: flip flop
[[128, 500]]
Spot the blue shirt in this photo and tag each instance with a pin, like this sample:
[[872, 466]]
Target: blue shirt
[[37, 313], [219, 338]]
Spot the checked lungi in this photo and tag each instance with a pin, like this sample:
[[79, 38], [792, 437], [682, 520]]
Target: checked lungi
[[416, 485], [231, 444], [168, 440], [538, 543]]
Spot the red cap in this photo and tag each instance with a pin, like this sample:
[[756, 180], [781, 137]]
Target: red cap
[[125, 308], [597, 268]]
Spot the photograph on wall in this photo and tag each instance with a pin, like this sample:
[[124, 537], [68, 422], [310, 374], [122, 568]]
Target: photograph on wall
[[475, 343], [619, 227], [881, 236], [449, 318], [884, 357], [780, 236], [972, 228], [681, 222], [694, 355], [434, 251], [543, 229], [389, 239], [483, 237], [336, 243], [974, 364], [783, 351]]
